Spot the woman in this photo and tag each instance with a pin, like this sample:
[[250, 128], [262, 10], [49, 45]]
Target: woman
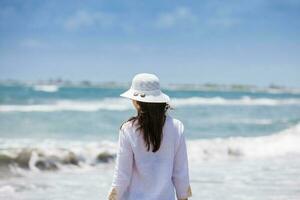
[[152, 158]]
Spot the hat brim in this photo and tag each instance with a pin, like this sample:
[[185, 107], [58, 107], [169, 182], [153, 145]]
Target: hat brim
[[161, 98]]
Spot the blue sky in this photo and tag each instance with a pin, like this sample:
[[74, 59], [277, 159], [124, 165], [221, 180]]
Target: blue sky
[[216, 41]]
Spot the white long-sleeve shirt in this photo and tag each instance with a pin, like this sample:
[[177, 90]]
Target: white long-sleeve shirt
[[143, 175]]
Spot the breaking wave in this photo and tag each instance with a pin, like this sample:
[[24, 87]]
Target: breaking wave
[[66, 105], [119, 104], [50, 156], [55, 155], [278, 144], [46, 88], [244, 101]]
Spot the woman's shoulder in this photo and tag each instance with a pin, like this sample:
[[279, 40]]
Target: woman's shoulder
[[128, 126], [175, 122]]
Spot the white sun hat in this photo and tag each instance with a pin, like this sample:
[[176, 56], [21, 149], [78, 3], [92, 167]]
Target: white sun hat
[[146, 88]]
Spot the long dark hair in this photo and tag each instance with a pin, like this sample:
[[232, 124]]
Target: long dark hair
[[151, 118]]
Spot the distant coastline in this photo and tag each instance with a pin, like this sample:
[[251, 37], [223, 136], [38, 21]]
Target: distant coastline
[[272, 88]]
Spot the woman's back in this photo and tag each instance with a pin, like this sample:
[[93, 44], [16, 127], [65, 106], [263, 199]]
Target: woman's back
[[152, 157], [144, 175]]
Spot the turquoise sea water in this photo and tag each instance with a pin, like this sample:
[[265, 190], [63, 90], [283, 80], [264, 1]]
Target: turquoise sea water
[[241, 144]]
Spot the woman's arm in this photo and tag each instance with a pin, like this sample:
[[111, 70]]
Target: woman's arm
[[180, 175], [123, 168]]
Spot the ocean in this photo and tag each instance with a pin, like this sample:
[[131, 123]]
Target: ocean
[[59, 142]]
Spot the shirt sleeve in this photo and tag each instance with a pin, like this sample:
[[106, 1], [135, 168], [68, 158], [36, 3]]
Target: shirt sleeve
[[180, 175], [123, 168]]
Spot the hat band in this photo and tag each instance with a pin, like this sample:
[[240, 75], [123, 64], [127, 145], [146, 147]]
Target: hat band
[[148, 92]]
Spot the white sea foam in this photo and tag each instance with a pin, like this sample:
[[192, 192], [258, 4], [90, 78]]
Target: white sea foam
[[66, 105], [59, 155], [46, 88], [7, 190], [282, 143], [249, 121], [244, 101], [240, 120], [36, 156], [120, 104]]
